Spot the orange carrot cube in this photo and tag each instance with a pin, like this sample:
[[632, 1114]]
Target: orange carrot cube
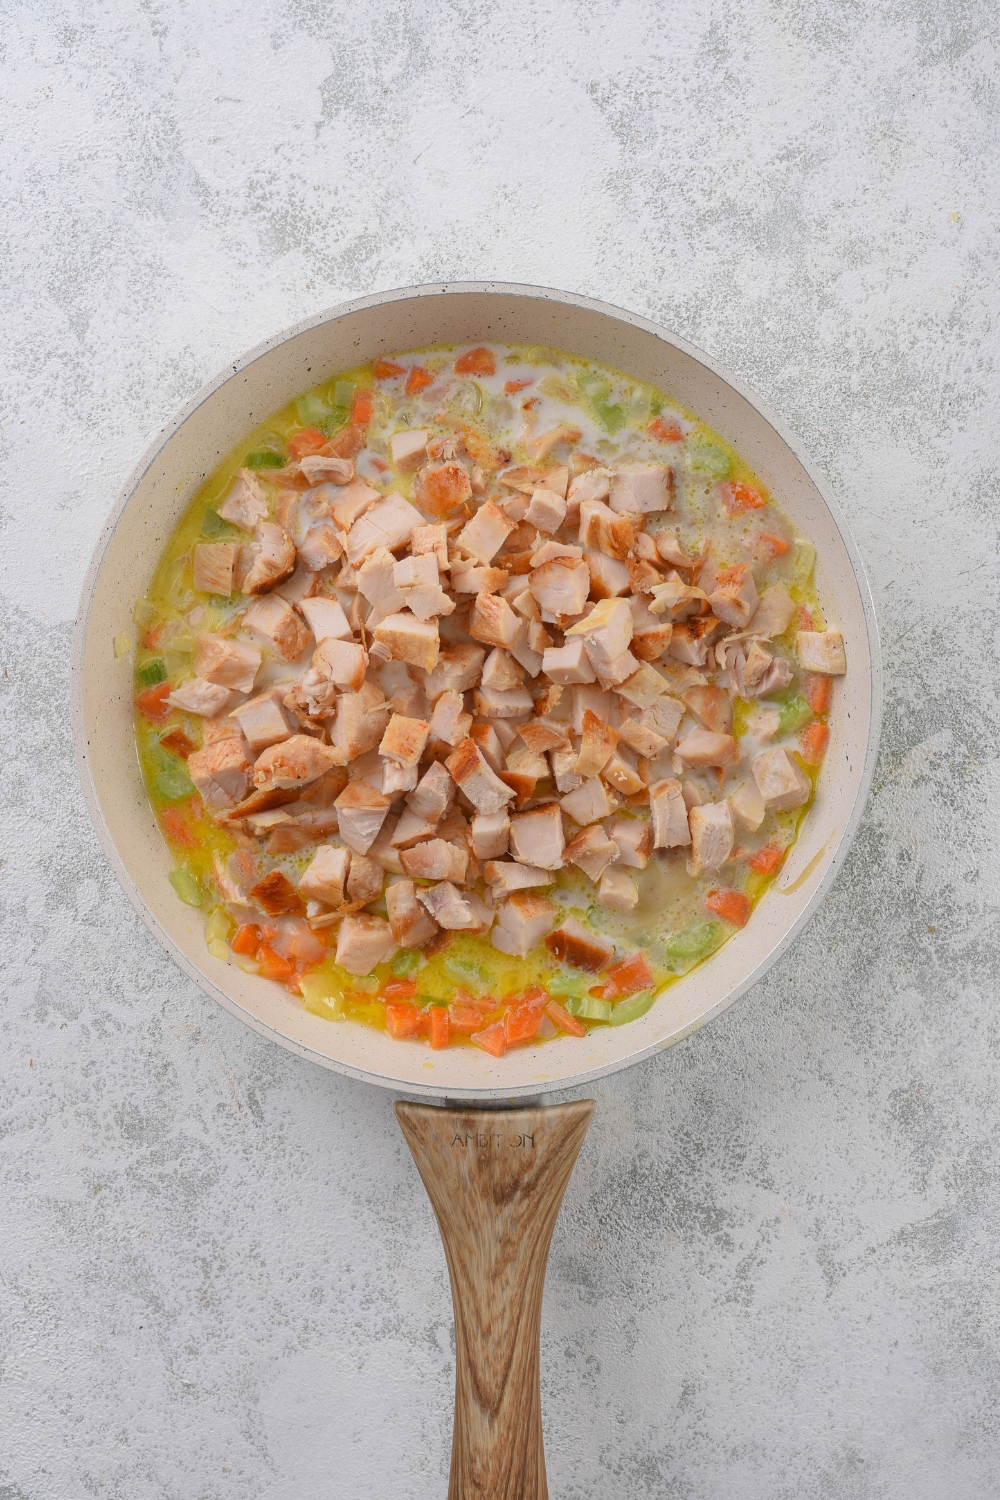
[[731, 906], [480, 361]]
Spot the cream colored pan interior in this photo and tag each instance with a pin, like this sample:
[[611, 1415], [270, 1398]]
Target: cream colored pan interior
[[187, 451]]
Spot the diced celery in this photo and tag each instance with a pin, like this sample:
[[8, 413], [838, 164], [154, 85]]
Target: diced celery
[[321, 995], [709, 458], [640, 405], [558, 389], [145, 614], [220, 951], [264, 458], [805, 559], [218, 927], [565, 984], [151, 672], [690, 943], [186, 886], [632, 1008], [173, 782], [367, 984], [214, 527], [794, 716], [312, 412], [468, 970], [405, 963], [122, 644], [598, 392], [343, 393], [589, 1008]]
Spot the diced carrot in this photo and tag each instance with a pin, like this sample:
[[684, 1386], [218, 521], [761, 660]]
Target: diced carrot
[[418, 380], [492, 1040], [466, 1019], [738, 497], [667, 429], [731, 906], [177, 742], [530, 404], [348, 443], [766, 859], [386, 369], [152, 701], [440, 1028], [246, 939], [511, 387], [625, 978], [361, 411], [805, 618], [479, 361], [812, 743], [521, 1022], [562, 1018], [405, 1020], [272, 965], [815, 689], [765, 546], [400, 989], [156, 634], [306, 442], [175, 827]]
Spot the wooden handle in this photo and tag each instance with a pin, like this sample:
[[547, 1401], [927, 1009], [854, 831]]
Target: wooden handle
[[496, 1179]]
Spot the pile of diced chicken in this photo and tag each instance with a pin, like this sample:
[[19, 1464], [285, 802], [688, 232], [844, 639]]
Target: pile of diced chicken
[[486, 694]]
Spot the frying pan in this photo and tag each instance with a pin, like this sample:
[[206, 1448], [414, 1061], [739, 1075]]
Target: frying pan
[[495, 1173]]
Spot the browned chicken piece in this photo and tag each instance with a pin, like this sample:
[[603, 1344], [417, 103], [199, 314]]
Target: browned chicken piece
[[365, 879], [530, 477], [416, 642], [703, 747], [571, 943], [608, 577], [213, 565], [433, 794], [263, 720], [606, 632], [521, 922], [782, 782], [412, 829], [621, 773], [342, 662], [320, 547], [441, 487], [490, 704], [493, 621], [641, 488], [712, 707], [431, 541], [221, 772], [483, 788], [618, 890], [457, 670], [435, 859], [712, 836], [449, 721], [602, 530], [293, 763], [734, 598], [592, 851], [454, 910], [504, 876], [361, 812], [276, 895], [490, 833], [359, 722], [375, 582], [589, 803], [245, 505], [597, 745], [537, 837], [475, 580], [669, 814], [569, 664], [273, 620], [273, 559], [404, 740], [634, 838], [821, 651], [324, 879], [560, 587], [410, 923], [327, 468], [501, 671], [388, 524], [326, 618], [485, 534], [408, 448], [196, 696], [364, 941], [233, 664]]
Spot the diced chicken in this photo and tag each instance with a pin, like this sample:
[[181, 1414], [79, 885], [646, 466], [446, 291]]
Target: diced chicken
[[734, 598], [618, 890], [273, 559], [436, 859], [320, 547], [593, 484], [326, 619], [387, 524], [417, 582], [546, 511], [669, 814], [359, 723], [196, 696], [541, 735], [376, 581], [301, 584], [412, 828], [589, 803], [397, 778], [641, 488], [643, 687], [352, 502], [702, 747], [457, 670], [602, 530], [748, 806], [343, 662], [774, 613], [363, 942], [483, 536], [404, 739], [712, 707], [473, 580], [382, 849], [537, 837], [608, 576], [546, 550], [230, 663], [487, 739], [592, 851], [449, 721], [213, 567], [821, 651], [221, 772], [664, 716], [563, 763], [273, 620], [501, 671], [542, 445], [439, 488], [606, 632], [571, 943], [597, 699], [677, 600], [434, 793], [528, 477], [454, 910], [617, 672], [634, 837], [712, 837], [640, 738], [755, 674], [324, 879], [245, 505], [690, 641], [504, 876], [276, 895], [650, 633], [361, 812], [527, 646], [621, 773], [411, 926], [490, 834], [431, 541], [263, 721], [493, 621], [568, 664], [414, 641], [521, 923], [408, 448], [327, 468], [491, 704], [484, 789], [293, 763], [560, 586], [597, 745], [780, 779]]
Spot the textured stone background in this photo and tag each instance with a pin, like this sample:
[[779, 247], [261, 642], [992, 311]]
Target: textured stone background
[[776, 1273]]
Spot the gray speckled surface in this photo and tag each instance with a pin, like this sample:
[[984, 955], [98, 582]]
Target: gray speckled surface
[[776, 1272]]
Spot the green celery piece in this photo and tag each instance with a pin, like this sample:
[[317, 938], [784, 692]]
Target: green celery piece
[[709, 458], [632, 1008], [805, 560], [405, 963], [597, 391], [151, 672], [215, 528], [264, 458], [186, 886], [691, 942], [794, 716], [365, 984], [468, 969], [423, 1001], [173, 782], [564, 984], [592, 1009], [343, 393], [312, 412]]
